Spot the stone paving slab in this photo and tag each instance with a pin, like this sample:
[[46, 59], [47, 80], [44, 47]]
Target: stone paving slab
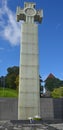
[[58, 126], [8, 125]]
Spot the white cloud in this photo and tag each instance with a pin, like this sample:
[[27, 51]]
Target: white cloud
[[9, 28]]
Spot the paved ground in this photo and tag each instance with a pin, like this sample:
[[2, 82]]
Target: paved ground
[[57, 126], [8, 125]]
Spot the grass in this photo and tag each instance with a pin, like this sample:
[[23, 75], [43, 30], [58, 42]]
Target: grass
[[8, 92]]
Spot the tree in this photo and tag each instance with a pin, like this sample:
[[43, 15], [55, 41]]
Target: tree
[[52, 82], [11, 77], [17, 82], [57, 92], [2, 81], [13, 70]]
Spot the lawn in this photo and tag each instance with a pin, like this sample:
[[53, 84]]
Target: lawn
[[5, 92]]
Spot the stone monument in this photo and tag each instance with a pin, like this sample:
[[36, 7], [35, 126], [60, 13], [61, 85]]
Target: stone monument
[[29, 91]]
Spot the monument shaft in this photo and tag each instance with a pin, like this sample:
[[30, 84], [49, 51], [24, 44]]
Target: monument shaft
[[29, 91], [29, 76]]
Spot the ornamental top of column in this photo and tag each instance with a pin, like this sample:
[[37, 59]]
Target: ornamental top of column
[[29, 13]]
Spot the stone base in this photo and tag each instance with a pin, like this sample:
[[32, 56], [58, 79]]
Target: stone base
[[21, 125], [26, 125]]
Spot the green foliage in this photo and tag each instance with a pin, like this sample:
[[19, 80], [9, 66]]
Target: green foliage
[[57, 93], [37, 119], [13, 70], [8, 93], [10, 78], [2, 81], [17, 82], [52, 83], [10, 81]]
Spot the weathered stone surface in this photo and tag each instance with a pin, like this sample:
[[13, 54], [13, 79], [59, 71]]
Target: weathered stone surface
[[29, 91], [7, 125], [57, 126], [51, 109], [8, 109], [18, 125]]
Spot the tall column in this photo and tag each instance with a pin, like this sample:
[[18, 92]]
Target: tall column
[[29, 91]]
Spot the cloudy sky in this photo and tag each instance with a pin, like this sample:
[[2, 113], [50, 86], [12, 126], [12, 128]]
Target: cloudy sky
[[50, 36]]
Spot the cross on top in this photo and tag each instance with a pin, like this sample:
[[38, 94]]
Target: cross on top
[[29, 13]]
